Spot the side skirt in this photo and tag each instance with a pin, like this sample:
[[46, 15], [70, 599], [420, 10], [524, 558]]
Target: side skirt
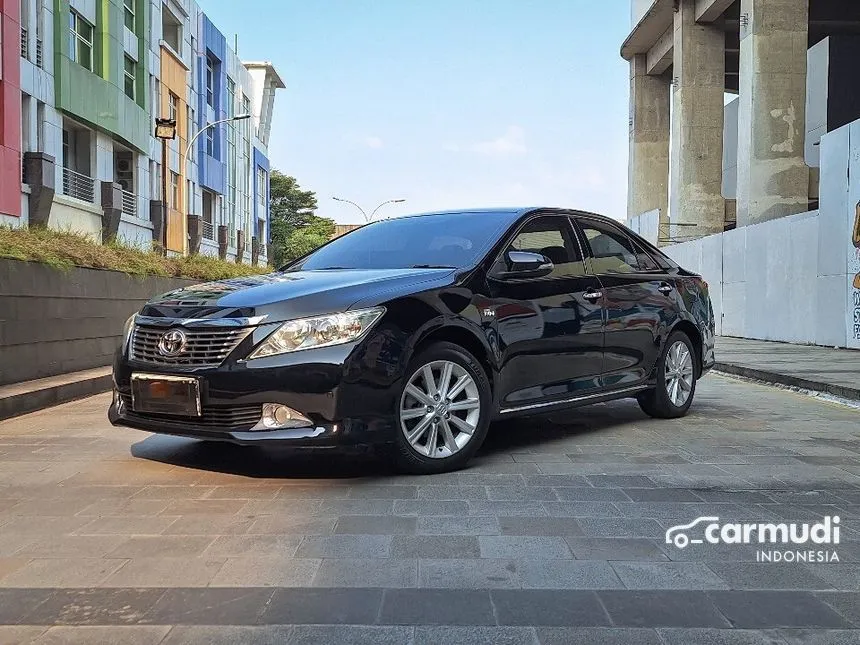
[[585, 399]]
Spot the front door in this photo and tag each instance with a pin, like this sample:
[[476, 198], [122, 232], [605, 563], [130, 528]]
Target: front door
[[637, 297], [550, 329]]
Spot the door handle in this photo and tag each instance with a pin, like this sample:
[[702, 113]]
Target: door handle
[[665, 288], [592, 295]]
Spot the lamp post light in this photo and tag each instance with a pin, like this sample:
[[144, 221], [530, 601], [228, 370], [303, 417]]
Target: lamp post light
[[366, 218], [165, 129]]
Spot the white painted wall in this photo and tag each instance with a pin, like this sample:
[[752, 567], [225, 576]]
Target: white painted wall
[[646, 225], [791, 279]]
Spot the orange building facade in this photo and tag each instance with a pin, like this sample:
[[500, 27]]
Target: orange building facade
[[174, 105]]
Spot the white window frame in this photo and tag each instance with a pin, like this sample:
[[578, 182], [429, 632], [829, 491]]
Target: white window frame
[[128, 10], [210, 81], [75, 20], [173, 107], [132, 76]]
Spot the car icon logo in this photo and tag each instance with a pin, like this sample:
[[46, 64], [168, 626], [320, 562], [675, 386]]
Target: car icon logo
[[172, 343], [677, 534]]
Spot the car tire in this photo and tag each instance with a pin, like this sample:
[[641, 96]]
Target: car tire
[[412, 456], [660, 402]]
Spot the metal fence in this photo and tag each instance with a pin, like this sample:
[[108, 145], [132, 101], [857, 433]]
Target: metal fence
[[208, 231], [79, 186]]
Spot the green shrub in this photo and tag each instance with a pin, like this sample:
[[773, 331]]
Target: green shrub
[[66, 249]]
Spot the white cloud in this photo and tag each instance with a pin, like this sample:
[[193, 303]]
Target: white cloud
[[373, 142], [512, 142]]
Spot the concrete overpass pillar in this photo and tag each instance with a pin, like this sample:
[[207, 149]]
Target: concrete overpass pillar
[[697, 125], [773, 179], [648, 172]]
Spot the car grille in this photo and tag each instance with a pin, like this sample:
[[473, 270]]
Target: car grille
[[203, 347], [213, 416]]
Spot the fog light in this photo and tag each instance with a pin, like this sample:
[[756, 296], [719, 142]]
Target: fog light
[[277, 416]]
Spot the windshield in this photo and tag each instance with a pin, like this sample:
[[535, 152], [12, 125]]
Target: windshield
[[453, 240]]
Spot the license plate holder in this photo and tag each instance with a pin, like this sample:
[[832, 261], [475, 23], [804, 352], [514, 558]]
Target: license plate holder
[[163, 394]]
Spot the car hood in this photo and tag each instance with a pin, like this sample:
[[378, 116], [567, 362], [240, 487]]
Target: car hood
[[285, 295]]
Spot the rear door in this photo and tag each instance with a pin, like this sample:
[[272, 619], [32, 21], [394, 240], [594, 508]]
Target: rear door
[[549, 329], [638, 301]]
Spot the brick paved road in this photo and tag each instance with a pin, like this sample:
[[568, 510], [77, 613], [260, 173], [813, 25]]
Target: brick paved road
[[556, 535]]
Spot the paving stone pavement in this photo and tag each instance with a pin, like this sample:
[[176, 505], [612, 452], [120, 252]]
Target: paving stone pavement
[[556, 533]]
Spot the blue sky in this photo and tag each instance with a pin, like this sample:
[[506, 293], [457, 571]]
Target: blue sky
[[446, 103]]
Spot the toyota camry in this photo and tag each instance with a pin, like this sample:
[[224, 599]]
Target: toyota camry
[[413, 334]]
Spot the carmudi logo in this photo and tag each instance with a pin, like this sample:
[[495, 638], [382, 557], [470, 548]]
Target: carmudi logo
[[709, 530]]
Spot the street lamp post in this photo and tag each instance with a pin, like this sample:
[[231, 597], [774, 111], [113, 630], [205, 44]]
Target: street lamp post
[[165, 129], [366, 218]]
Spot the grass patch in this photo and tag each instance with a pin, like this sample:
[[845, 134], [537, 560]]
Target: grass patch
[[66, 249]]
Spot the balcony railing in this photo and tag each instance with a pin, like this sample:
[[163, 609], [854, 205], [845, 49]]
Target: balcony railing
[[25, 47], [79, 186], [129, 203], [39, 54], [208, 231]]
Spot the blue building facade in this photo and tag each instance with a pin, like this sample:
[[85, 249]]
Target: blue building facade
[[211, 105]]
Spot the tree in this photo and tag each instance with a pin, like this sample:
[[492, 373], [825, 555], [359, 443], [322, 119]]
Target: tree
[[296, 229]]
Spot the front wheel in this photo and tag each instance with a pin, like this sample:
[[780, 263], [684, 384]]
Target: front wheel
[[443, 412], [676, 380]]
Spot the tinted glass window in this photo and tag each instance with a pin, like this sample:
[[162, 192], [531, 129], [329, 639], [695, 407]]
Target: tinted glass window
[[611, 250], [451, 239], [551, 237]]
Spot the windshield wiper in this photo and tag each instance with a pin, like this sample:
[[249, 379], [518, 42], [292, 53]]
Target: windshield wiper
[[332, 268], [431, 266]]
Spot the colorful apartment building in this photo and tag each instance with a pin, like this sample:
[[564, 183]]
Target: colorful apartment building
[[10, 109], [90, 79]]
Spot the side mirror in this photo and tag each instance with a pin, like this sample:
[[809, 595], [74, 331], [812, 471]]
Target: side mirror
[[521, 265]]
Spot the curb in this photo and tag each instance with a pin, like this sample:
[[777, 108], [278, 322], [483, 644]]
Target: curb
[[791, 381], [46, 395]]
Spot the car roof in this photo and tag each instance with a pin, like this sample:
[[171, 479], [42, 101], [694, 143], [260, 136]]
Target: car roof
[[513, 213]]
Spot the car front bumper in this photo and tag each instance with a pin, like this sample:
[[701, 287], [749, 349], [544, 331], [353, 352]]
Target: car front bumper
[[346, 391]]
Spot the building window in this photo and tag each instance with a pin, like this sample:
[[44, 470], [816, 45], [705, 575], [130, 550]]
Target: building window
[[231, 98], [190, 131], [80, 40], [246, 109], [172, 106], [189, 197], [129, 73], [210, 82], [261, 191], [174, 191], [210, 142], [128, 12], [171, 30]]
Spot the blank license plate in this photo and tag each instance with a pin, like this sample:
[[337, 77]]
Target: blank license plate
[[159, 394]]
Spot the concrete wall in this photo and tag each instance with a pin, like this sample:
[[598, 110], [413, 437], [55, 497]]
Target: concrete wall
[[52, 322], [791, 279]]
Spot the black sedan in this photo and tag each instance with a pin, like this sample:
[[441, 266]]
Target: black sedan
[[415, 333]]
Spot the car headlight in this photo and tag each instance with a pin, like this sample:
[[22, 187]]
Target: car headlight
[[319, 331], [126, 330]]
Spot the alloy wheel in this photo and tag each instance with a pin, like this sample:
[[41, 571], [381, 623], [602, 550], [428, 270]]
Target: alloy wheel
[[679, 373], [440, 409]]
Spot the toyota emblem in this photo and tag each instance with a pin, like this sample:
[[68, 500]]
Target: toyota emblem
[[172, 343]]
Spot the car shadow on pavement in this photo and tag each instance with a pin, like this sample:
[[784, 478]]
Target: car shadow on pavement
[[271, 462], [262, 462]]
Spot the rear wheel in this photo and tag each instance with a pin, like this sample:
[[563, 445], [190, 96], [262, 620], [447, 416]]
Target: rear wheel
[[443, 412], [676, 380]]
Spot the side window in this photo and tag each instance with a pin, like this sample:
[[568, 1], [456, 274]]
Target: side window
[[552, 237], [612, 251]]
